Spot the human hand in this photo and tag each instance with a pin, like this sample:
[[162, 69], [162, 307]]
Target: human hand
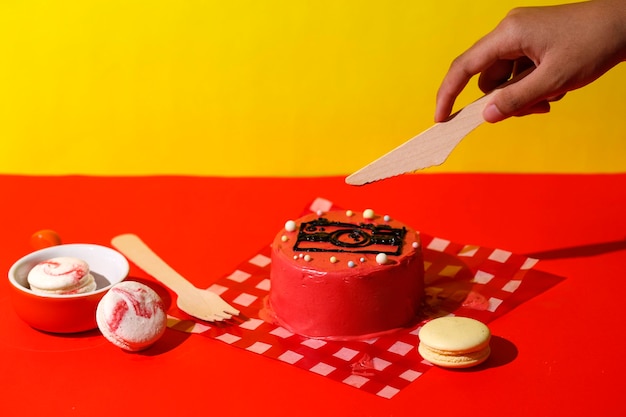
[[561, 48]]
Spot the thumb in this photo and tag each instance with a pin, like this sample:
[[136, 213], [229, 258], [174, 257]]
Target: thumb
[[525, 96]]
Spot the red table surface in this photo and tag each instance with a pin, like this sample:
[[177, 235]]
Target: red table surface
[[560, 354]]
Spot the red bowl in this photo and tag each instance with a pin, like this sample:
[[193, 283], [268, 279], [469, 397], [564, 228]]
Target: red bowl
[[65, 313]]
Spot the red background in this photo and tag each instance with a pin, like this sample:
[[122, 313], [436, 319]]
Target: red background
[[554, 355]]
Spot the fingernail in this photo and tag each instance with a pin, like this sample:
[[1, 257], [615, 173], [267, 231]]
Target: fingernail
[[492, 114]]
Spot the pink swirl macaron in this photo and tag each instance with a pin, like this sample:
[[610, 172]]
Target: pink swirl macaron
[[131, 316], [62, 275]]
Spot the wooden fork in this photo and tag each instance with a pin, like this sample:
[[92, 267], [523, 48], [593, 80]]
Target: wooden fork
[[202, 304]]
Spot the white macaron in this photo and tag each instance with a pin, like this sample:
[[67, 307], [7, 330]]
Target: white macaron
[[131, 315]]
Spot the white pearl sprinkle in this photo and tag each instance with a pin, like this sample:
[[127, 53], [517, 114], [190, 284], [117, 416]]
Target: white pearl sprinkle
[[295, 257], [415, 245], [351, 264], [362, 259], [333, 260], [301, 255], [349, 213], [290, 226], [307, 258], [320, 212], [381, 258], [387, 217], [284, 238], [368, 214]]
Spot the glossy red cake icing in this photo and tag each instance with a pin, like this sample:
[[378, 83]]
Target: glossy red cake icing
[[326, 281]]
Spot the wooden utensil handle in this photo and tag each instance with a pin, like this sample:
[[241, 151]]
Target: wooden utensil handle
[[141, 255]]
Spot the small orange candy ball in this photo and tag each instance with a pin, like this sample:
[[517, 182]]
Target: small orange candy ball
[[44, 239]]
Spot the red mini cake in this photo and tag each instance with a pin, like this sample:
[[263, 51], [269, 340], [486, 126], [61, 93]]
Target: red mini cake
[[345, 275]]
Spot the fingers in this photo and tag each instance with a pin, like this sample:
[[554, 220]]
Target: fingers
[[459, 74], [556, 97], [492, 114], [495, 75], [453, 83], [570, 45], [462, 69], [531, 94], [493, 56], [530, 90]]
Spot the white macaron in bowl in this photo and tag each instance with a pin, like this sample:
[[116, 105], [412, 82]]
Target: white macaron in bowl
[[65, 313]]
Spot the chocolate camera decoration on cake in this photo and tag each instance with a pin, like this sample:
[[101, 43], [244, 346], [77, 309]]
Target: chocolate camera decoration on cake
[[323, 235]]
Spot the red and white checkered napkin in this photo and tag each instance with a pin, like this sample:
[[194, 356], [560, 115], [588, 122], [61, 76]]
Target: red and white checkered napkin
[[460, 279]]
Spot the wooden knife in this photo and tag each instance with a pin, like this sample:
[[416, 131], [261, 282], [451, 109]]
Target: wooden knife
[[429, 148]]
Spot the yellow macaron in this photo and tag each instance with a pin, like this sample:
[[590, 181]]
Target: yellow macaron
[[454, 342]]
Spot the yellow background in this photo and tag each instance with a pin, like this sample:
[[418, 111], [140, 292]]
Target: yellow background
[[265, 88]]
